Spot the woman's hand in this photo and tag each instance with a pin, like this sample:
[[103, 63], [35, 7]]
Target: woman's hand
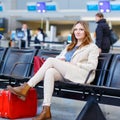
[[63, 59], [100, 50]]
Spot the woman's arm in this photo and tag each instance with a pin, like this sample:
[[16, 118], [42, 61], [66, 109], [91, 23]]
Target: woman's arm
[[61, 56], [92, 59], [99, 36]]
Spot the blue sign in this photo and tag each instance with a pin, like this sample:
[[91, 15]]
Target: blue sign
[[51, 7], [115, 6], [104, 6], [41, 7], [20, 34], [92, 6], [69, 38], [31, 8], [1, 8]]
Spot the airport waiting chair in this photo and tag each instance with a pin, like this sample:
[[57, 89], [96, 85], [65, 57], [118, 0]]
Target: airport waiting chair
[[66, 88], [112, 85], [2, 54], [91, 111], [17, 65], [113, 79], [61, 87], [101, 71], [109, 93], [45, 53], [102, 68]]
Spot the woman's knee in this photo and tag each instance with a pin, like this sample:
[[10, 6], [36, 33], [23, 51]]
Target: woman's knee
[[53, 73], [50, 71], [50, 61]]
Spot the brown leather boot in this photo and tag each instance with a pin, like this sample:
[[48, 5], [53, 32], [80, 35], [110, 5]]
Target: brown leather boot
[[45, 114], [20, 91]]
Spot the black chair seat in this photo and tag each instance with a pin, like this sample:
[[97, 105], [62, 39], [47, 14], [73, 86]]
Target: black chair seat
[[17, 64]]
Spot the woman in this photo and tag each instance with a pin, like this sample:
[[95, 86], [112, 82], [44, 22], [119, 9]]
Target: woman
[[102, 33], [78, 58], [38, 37]]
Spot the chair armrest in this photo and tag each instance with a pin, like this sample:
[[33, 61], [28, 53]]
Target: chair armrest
[[16, 64], [1, 61], [91, 71]]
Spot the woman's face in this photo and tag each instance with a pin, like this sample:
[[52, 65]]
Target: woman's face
[[79, 32]]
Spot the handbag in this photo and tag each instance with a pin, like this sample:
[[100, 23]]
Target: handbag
[[38, 62], [113, 37]]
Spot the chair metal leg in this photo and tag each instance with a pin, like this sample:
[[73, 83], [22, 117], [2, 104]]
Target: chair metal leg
[[91, 111]]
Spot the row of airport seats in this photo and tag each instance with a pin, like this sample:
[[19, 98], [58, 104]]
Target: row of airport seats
[[16, 66]]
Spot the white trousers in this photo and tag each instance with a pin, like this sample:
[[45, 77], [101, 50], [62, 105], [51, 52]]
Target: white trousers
[[52, 70]]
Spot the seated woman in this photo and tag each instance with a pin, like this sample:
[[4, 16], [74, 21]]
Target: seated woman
[[73, 63]]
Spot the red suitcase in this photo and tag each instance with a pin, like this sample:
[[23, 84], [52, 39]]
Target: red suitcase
[[12, 107]]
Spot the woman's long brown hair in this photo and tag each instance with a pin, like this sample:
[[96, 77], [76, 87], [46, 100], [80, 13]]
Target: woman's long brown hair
[[87, 40]]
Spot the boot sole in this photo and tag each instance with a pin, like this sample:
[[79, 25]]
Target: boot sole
[[46, 119], [15, 93]]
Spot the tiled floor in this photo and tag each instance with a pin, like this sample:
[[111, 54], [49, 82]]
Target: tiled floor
[[66, 109]]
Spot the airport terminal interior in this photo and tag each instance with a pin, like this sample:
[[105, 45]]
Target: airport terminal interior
[[56, 18]]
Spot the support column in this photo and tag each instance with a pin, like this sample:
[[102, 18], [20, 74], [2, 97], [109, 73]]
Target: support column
[[12, 23], [92, 28], [41, 24], [10, 4], [110, 24], [47, 26]]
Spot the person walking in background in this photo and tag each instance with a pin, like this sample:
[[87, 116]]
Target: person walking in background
[[39, 38], [102, 33], [78, 58]]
